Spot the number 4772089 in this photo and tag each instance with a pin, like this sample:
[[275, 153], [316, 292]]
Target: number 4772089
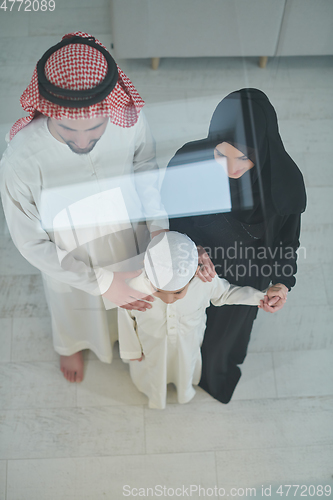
[[28, 5]]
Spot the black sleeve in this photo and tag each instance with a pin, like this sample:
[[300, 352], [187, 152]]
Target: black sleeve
[[284, 256]]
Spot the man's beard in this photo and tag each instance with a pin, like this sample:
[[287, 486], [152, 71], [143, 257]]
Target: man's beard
[[79, 151]]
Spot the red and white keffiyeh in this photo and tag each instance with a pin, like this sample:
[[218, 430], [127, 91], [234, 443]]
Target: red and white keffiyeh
[[80, 67]]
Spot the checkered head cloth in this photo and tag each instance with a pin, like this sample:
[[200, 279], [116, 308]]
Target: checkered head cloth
[[79, 67]]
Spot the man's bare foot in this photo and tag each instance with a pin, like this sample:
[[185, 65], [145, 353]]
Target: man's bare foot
[[72, 367]]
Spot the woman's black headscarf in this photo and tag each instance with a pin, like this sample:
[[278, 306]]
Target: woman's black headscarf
[[247, 120]]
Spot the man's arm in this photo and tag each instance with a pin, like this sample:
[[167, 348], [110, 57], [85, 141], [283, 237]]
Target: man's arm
[[34, 243], [148, 177]]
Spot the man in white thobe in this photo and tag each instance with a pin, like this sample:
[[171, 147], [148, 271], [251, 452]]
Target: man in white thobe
[[80, 191]]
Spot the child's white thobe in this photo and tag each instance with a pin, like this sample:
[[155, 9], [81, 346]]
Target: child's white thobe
[[170, 336]]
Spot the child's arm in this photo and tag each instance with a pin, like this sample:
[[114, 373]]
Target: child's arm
[[129, 343], [224, 293]]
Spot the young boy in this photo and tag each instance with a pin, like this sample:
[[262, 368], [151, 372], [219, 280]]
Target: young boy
[[163, 343]]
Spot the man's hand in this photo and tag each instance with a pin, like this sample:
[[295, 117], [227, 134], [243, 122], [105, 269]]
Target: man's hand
[[138, 359], [156, 233], [126, 297], [275, 299], [207, 270]]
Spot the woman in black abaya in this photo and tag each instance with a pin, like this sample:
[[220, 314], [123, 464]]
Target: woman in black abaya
[[255, 244]]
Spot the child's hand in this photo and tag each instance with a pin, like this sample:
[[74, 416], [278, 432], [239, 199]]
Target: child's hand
[[275, 298], [138, 359]]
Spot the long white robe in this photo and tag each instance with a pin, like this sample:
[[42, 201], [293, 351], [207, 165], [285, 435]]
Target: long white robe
[[77, 218], [170, 336]]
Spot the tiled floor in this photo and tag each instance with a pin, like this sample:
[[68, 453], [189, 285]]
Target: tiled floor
[[60, 441]]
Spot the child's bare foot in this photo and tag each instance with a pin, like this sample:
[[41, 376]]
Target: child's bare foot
[[72, 367]]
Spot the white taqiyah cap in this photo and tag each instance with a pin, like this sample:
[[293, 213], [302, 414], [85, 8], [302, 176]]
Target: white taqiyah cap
[[171, 261]]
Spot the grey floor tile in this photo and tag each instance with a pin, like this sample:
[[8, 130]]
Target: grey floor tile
[[4, 129], [257, 381], [273, 467], [293, 328], [304, 373], [311, 72], [10, 108], [328, 276], [306, 135], [5, 339], [32, 340], [91, 19], [303, 293], [22, 296], [90, 452], [3, 479], [11, 261], [240, 425], [319, 173], [71, 432], [319, 203], [316, 244], [109, 477], [34, 385], [105, 385], [25, 50], [13, 22]]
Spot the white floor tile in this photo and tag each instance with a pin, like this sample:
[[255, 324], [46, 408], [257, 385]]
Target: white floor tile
[[316, 244], [22, 296], [258, 439], [106, 385], [107, 477], [257, 379], [32, 340], [90, 19], [310, 286], [293, 328], [328, 276], [34, 385], [16, 79], [240, 425], [14, 22], [11, 109], [5, 339], [289, 105], [306, 135], [319, 203], [304, 373], [317, 167], [3, 479], [4, 129], [311, 72], [71, 432], [11, 261], [292, 465], [26, 50]]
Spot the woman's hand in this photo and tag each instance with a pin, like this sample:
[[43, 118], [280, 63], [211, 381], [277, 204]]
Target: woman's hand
[[207, 270], [275, 298]]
